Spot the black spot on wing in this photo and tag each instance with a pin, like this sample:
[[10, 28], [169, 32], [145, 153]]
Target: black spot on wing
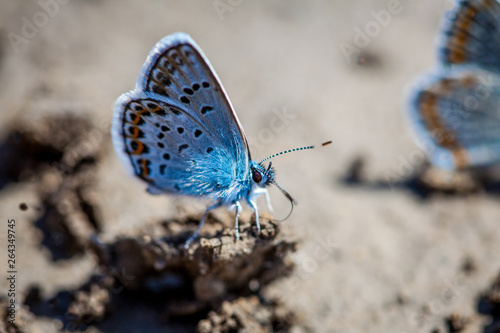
[[132, 130], [170, 68], [182, 147], [160, 112], [206, 109], [136, 119], [162, 79], [159, 90], [138, 146], [144, 167], [175, 56]]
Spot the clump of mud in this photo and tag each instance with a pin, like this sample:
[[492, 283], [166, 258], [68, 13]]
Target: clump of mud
[[214, 265], [187, 288], [214, 268], [456, 323], [489, 305], [22, 318], [247, 315]]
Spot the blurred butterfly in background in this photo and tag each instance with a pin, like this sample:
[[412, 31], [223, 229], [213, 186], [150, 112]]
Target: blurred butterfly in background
[[178, 132], [455, 109]]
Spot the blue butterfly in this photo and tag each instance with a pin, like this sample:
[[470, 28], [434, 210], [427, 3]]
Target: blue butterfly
[[455, 109], [178, 132]]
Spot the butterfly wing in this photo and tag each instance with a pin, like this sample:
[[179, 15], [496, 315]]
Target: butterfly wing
[[177, 130], [471, 35], [456, 117]]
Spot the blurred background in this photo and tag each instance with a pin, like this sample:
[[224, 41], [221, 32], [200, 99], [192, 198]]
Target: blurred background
[[372, 257]]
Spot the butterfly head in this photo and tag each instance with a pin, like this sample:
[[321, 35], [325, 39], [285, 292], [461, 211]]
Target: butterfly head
[[262, 176]]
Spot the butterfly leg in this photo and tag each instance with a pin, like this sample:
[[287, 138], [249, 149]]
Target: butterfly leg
[[193, 237], [264, 191], [268, 201], [256, 212], [236, 214]]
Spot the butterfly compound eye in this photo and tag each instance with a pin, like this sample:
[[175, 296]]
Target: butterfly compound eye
[[257, 177]]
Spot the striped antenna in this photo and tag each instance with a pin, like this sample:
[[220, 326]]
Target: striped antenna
[[285, 152], [291, 150], [288, 196]]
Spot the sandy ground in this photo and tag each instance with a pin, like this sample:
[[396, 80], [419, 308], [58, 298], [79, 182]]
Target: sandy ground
[[370, 259]]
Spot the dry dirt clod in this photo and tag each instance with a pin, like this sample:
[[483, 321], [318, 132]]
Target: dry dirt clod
[[247, 315], [456, 323], [22, 318], [214, 266]]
